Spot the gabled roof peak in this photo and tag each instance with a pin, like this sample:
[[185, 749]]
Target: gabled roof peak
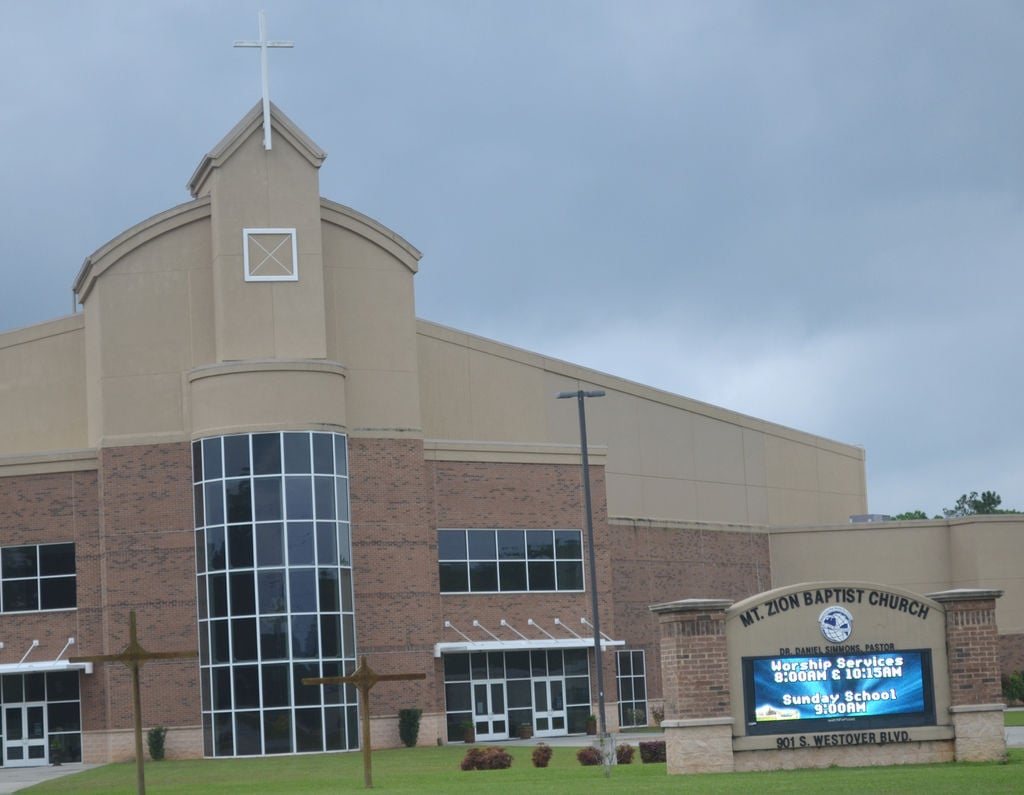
[[252, 121]]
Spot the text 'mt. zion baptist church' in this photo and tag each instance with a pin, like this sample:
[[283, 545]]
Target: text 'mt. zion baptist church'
[[246, 436]]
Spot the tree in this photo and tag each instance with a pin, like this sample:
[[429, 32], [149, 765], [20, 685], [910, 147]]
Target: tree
[[900, 517], [971, 504]]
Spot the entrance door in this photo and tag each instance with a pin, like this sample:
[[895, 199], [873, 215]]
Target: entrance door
[[24, 735], [489, 710], [549, 707]]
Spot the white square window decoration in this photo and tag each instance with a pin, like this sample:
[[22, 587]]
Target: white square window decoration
[[270, 255]]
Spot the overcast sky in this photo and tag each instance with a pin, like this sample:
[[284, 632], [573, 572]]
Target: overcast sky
[[810, 212]]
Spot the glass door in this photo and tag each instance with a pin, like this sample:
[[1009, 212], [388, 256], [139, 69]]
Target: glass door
[[489, 710], [24, 735], [549, 707]]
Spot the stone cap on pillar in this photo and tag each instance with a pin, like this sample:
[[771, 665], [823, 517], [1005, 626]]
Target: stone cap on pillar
[[692, 606], [965, 595]]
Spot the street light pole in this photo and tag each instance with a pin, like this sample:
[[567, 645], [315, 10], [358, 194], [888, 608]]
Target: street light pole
[[580, 395]]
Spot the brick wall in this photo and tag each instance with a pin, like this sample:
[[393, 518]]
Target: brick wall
[[694, 663], [1011, 653], [973, 645], [656, 563]]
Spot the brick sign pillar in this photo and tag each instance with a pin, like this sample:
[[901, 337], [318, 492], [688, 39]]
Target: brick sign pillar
[[695, 682], [976, 699]]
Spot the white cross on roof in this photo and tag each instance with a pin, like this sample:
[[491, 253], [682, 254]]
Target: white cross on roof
[[263, 45]]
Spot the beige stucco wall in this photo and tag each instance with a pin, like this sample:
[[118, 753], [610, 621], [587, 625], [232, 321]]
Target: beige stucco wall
[[668, 457], [924, 557], [42, 394]]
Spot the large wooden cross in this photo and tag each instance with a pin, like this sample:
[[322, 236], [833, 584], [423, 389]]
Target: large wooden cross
[[134, 656], [364, 678]]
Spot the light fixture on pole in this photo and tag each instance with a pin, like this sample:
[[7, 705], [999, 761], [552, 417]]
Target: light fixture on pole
[[581, 395]]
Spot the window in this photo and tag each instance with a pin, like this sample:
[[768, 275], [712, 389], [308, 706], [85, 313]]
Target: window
[[485, 561], [632, 680], [273, 551], [37, 577]]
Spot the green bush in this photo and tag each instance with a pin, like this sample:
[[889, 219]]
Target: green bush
[[488, 757], [589, 755], [155, 740], [1013, 687], [409, 726]]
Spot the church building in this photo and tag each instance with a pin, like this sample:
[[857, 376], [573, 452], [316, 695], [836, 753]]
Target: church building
[[247, 437]]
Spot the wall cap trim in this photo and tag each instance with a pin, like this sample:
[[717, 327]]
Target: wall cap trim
[[965, 595], [692, 606]]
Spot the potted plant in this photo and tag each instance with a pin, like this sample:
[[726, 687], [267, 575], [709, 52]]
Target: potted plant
[[591, 724], [525, 731], [56, 750], [468, 731]]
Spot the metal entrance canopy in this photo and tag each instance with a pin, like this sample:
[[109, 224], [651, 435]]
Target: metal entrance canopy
[[494, 643]]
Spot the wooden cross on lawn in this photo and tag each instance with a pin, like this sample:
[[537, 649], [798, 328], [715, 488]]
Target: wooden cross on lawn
[[134, 656], [364, 678]]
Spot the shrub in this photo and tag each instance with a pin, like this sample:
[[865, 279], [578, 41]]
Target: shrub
[[653, 751], [624, 753], [409, 726], [589, 755], [155, 740], [1013, 687], [657, 715], [488, 757], [542, 755]]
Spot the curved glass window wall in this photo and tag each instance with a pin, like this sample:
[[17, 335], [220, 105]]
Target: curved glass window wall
[[274, 563]]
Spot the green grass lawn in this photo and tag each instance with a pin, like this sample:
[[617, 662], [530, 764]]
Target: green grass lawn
[[1015, 718], [437, 770]]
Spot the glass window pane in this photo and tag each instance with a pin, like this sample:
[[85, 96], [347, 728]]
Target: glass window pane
[[216, 557], [20, 595], [63, 717], [35, 688], [301, 549], [540, 545], [276, 681], [481, 545], [236, 456], [299, 497], [218, 585], [456, 667], [330, 636], [18, 562], [345, 585], [274, 638], [296, 453], [305, 640], [243, 637], [243, 594], [330, 600], [223, 734], [511, 545], [266, 454], [219, 639], [270, 544], [56, 559], [483, 576], [451, 545], [248, 737], [240, 546], [348, 632], [323, 453], [222, 688], [212, 468], [308, 729], [197, 501], [517, 664], [454, 577], [341, 498], [542, 576], [305, 694], [197, 462], [302, 590], [568, 544], [340, 455], [570, 575], [268, 499], [513, 576], [326, 543], [238, 497], [272, 592], [344, 545], [323, 488], [277, 731], [62, 686], [247, 686], [57, 593], [576, 661], [214, 500]]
